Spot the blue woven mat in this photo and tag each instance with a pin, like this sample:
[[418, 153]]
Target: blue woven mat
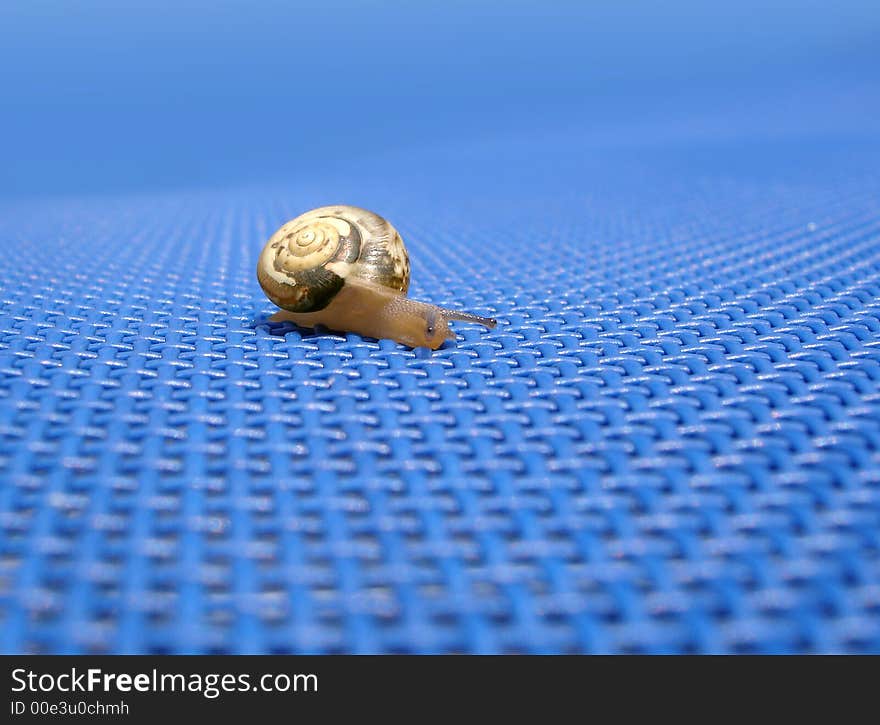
[[669, 444]]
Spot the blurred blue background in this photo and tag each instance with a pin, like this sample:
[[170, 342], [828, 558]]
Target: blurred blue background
[[671, 441], [105, 96]]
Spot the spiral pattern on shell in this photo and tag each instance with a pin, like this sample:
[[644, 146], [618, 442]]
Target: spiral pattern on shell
[[307, 261]]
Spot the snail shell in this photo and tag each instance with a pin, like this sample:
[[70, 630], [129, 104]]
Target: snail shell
[[306, 262], [347, 269]]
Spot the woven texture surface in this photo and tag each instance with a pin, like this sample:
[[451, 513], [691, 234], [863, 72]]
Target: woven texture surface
[[669, 444]]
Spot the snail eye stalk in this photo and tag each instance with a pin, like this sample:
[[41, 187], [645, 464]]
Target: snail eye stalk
[[489, 322]]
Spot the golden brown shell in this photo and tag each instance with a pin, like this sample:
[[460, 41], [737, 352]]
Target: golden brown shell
[[307, 261]]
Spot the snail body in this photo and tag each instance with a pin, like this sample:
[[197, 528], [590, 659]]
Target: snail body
[[347, 269]]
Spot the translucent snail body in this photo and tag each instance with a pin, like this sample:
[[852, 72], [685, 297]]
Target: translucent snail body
[[347, 269]]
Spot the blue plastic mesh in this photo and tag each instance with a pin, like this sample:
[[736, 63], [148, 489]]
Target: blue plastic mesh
[[669, 444]]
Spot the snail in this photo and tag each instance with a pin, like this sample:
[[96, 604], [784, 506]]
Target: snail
[[347, 269]]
